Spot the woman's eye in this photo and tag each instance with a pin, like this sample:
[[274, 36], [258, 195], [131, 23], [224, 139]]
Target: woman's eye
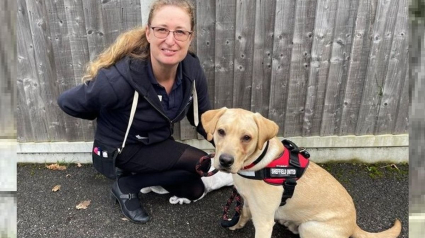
[[180, 32], [221, 132], [161, 30]]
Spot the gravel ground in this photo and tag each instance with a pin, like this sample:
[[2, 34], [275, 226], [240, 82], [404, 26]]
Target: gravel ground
[[379, 191]]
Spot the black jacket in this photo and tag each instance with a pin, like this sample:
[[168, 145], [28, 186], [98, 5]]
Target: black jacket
[[109, 97]]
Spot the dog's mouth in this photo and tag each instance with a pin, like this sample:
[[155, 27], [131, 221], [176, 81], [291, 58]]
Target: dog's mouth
[[226, 170]]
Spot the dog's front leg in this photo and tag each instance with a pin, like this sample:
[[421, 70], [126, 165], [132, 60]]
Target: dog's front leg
[[263, 223], [263, 209], [243, 219]]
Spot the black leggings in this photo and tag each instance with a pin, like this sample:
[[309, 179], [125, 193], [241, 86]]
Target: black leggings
[[169, 164]]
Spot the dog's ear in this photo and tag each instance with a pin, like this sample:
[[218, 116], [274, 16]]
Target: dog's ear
[[209, 121], [267, 129]]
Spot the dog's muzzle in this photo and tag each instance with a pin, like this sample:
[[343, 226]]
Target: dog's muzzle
[[226, 160]]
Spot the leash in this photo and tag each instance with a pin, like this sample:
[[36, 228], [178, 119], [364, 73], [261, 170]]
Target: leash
[[225, 222], [200, 162]]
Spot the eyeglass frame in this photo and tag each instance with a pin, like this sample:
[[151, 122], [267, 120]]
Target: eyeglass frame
[[169, 31]]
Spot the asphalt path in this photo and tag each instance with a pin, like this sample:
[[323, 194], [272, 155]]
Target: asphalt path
[[380, 193]]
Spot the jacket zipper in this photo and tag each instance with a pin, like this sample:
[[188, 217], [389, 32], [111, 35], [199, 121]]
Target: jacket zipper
[[170, 121]]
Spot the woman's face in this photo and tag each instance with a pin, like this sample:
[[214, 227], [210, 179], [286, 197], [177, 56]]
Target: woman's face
[[168, 52]]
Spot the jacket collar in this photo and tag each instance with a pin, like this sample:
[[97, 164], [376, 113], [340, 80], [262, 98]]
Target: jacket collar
[[144, 87]]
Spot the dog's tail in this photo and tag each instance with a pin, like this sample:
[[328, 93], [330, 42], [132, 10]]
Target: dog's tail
[[393, 232]]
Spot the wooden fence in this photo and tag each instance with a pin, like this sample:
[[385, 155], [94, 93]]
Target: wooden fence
[[316, 67]]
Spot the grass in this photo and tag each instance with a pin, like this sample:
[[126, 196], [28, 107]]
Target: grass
[[374, 171]]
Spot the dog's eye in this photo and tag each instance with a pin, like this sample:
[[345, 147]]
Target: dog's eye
[[221, 132], [246, 138]]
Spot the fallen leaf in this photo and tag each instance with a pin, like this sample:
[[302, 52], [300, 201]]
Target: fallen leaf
[[68, 175], [124, 219], [56, 188], [83, 205], [56, 167], [79, 165]]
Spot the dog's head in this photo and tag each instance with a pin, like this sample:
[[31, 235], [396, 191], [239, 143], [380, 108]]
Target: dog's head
[[238, 136]]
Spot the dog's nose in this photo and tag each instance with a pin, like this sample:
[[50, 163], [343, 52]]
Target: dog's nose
[[226, 160]]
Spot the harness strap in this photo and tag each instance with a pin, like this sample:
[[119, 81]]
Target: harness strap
[[289, 188]]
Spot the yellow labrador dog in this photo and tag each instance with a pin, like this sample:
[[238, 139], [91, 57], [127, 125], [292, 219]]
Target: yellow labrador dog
[[314, 211]]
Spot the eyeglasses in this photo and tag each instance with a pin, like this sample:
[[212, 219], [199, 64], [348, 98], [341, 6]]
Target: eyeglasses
[[162, 33]]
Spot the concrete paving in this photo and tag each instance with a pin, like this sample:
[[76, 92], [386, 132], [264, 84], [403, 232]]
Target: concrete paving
[[380, 193]]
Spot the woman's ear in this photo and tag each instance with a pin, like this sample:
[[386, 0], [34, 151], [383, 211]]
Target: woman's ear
[[209, 121], [148, 33]]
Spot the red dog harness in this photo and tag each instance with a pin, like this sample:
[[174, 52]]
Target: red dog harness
[[283, 171]]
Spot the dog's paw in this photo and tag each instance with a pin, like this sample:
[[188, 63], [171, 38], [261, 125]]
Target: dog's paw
[[177, 200]]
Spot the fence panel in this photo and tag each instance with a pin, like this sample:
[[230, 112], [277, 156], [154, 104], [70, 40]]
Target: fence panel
[[316, 68]]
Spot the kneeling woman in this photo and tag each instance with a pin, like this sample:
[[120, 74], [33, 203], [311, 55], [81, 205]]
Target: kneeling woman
[[154, 61]]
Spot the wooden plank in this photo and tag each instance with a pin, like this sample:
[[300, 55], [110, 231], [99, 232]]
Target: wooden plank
[[224, 53], [94, 43], [78, 39], [357, 67], [282, 50], [319, 66], [130, 14], [300, 67], [8, 69], [111, 20], [402, 122], [244, 53], [26, 113], [58, 25], [378, 62], [262, 59], [338, 69], [45, 66], [187, 131], [395, 75], [205, 34]]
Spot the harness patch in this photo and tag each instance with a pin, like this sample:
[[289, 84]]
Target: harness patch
[[283, 171], [280, 172]]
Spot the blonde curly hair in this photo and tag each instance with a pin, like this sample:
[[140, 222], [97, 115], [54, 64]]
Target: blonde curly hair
[[133, 43]]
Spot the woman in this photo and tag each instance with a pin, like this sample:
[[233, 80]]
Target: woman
[[154, 61]]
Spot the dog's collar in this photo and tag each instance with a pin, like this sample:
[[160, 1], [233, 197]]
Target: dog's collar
[[259, 158]]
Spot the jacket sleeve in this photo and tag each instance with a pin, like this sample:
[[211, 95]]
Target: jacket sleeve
[[203, 102], [86, 100]]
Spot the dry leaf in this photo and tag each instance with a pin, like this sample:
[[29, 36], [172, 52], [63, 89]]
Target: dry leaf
[[56, 167], [83, 205], [124, 219], [79, 165], [68, 175], [56, 188]]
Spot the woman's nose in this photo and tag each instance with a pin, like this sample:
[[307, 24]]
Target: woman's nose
[[170, 39]]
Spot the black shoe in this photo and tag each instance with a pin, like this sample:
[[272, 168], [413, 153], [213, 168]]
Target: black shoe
[[137, 216]]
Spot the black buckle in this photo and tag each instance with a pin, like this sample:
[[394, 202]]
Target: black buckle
[[129, 196]]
